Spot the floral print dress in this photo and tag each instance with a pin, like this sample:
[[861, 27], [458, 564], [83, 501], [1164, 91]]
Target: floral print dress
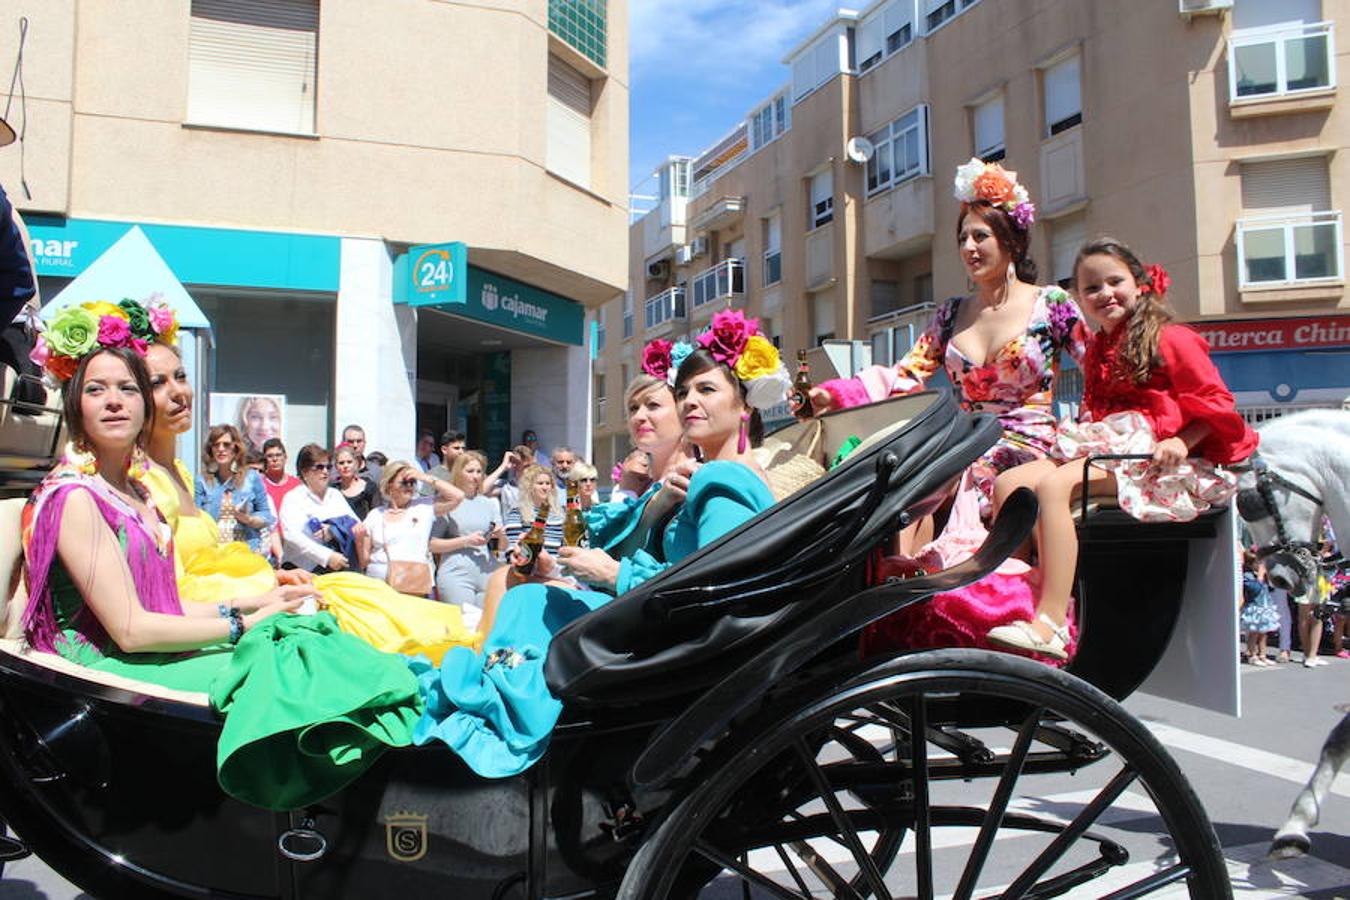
[[1016, 383]]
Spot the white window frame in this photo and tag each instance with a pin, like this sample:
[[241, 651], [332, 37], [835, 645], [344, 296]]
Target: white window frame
[[769, 121], [820, 211], [886, 140], [600, 330], [1280, 36], [627, 315], [1070, 120], [938, 13], [995, 150], [773, 249], [1287, 223]]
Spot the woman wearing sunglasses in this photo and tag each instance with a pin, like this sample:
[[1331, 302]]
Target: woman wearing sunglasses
[[394, 543], [311, 516], [228, 485]]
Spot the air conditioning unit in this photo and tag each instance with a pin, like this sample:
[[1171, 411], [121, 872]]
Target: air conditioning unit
[[684, 256], [658, 269], [1190, 8], [698, 247]]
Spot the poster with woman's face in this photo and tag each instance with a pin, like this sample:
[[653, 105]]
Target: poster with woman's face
[[257, 416]]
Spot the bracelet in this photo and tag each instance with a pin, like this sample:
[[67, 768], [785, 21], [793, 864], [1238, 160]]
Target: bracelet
[[236, 625], [223, 610]]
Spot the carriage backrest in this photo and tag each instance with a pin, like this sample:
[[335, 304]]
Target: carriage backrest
[[784, 562]]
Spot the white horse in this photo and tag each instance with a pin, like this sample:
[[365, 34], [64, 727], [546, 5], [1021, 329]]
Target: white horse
[[1307, 460]]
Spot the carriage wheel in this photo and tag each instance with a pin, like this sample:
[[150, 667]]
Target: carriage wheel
[[1027, 782]]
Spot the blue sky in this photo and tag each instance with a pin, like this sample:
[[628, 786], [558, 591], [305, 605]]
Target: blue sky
[[696, 67]]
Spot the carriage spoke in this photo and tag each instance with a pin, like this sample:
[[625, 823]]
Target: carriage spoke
[[703, 848], [838, 884], [923, 826], [791, 867], [997, 807], [1072, 832], [1144, 886], [865, 862]]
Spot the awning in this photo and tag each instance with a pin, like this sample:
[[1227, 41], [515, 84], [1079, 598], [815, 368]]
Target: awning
[[130, 268]]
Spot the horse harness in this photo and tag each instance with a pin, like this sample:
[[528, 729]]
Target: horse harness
[[1258, 503]]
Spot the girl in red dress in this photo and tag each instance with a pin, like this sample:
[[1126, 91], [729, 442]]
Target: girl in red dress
[[1148, 386]]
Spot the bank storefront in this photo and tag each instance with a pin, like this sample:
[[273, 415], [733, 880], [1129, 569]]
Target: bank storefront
[[1275, 366], [318, 331]]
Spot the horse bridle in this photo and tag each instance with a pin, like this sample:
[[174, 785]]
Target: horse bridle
[[1255, 504]]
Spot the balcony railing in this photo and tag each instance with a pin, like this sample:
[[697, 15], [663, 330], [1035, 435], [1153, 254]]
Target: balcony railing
[[665, 306], [1266, 63], [1291, 250], [726, 279], [728, 151]]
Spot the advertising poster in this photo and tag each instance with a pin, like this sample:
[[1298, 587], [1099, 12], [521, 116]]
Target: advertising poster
[[257, 416]]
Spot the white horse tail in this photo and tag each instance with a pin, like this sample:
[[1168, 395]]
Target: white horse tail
[[1292, 838]]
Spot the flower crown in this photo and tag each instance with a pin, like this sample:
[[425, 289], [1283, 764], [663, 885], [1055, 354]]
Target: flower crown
[[979, 180], [734, 340], [75, 331]]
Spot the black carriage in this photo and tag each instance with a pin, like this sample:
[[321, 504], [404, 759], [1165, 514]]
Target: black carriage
[[722, 737]]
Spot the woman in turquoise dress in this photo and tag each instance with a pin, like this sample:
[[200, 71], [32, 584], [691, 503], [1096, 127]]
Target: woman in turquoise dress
[[493, 707]]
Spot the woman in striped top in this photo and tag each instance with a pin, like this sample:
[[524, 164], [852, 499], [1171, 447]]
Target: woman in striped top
[[537, 491]]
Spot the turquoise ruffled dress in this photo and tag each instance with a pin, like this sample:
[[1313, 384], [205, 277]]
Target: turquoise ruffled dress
[[493, 707]]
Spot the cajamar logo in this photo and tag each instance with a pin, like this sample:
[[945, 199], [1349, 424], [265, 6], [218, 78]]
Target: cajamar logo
[[405, 836]]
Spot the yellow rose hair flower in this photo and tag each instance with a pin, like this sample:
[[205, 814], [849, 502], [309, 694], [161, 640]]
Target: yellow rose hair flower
[[102, 308], [759, 358]]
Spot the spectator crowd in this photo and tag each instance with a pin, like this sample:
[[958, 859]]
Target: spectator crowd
[[437, 526]]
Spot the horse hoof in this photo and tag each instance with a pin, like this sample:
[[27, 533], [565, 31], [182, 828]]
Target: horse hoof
[[1289, 846]]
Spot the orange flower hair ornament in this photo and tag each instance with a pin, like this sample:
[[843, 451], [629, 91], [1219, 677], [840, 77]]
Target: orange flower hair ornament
[[979, 180]]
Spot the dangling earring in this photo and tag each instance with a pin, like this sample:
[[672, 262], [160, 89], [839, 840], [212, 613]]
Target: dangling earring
[[743, 438], [139, 463], [78, 455]]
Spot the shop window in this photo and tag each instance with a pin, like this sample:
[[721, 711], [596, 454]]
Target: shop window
[[569, 123], [987, 125], [1062, 90], [252, 65]]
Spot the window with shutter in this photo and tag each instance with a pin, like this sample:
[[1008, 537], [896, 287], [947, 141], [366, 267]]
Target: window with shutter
[[252, 64], [1300, 185], [822, 318], [988, 127], [1067, 236], [803, 76], [899, 25], [822, 198], [871, 43], [569, 123], [773, 252], [1063, 95]]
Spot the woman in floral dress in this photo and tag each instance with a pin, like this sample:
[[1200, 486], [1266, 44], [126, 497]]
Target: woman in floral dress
[[1002, 345]]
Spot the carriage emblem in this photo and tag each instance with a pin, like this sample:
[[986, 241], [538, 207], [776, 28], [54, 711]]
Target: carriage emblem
[[405, 836]]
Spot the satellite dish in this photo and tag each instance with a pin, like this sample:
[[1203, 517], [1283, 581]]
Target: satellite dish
[[859, 149]]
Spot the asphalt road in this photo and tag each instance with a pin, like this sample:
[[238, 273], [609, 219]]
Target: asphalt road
[[1246, 772]]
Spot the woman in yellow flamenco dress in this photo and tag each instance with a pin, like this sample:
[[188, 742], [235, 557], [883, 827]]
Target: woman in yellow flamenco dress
[[211, 573]]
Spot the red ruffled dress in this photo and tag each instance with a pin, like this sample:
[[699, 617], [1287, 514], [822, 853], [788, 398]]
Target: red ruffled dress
[[1122, 416]]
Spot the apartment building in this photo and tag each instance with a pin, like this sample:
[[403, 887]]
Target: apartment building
[[1206, 133], [374, 209]]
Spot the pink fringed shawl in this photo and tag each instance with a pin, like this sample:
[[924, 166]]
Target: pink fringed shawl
[[151, 569]]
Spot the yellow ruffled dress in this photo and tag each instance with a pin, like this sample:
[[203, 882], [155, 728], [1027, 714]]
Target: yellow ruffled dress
[[364, 607]]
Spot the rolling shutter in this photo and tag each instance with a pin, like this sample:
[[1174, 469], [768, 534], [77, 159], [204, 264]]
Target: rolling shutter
[[252, 64], [989, 126], [1063, 91], [1286, 185], [569, 122]]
